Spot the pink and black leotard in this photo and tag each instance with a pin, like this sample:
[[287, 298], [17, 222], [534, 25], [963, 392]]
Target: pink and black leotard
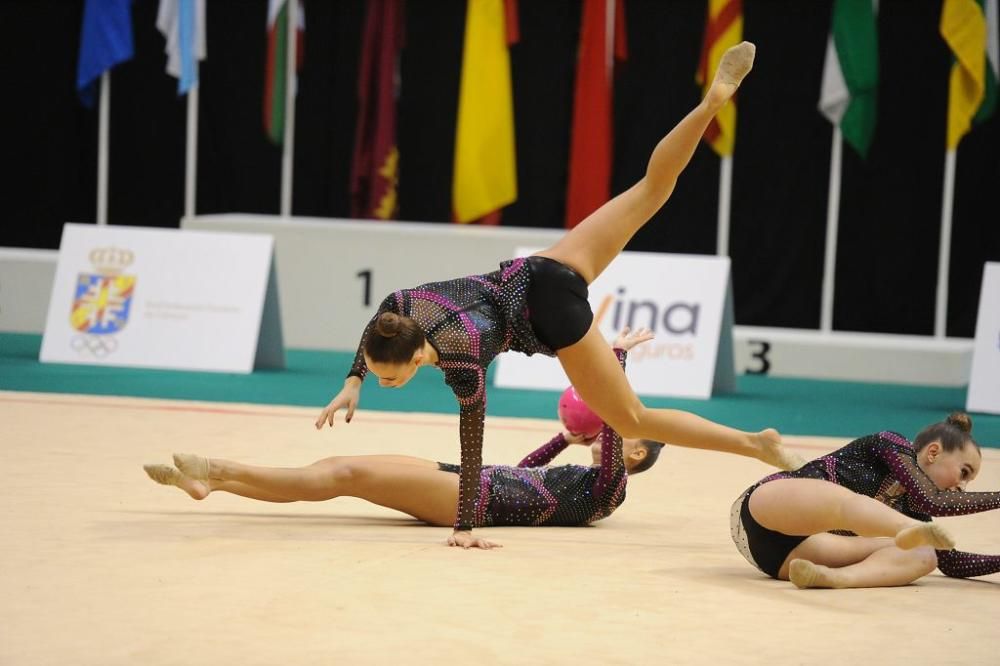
[[469, 321], [883, 466]]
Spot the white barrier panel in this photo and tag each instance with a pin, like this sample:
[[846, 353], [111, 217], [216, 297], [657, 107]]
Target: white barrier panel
[[984, 386], [157, 298], [684, 299], [334, 273], [853, 357], [25, 284]]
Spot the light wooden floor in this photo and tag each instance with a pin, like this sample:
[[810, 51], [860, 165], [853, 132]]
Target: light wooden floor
[[98, 565]]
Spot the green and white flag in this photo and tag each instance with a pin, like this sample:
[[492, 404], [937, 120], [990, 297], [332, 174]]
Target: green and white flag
[[849, 94]]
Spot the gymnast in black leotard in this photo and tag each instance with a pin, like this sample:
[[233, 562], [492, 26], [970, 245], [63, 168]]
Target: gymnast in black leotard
[[539, 305], [803, 526], [528, 494]]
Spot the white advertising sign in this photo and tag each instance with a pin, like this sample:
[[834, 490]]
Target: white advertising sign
[[163, 298], [984, 385], [684, 299]]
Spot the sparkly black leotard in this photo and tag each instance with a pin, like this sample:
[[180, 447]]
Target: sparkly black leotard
[[468, 321], [883, 466], [564, 495]]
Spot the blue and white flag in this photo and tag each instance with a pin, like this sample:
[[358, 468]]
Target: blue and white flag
[[105, 41], [182, 22]]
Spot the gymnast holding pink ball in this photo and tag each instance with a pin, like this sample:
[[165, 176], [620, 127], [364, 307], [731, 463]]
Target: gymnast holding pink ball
[[577, 417]]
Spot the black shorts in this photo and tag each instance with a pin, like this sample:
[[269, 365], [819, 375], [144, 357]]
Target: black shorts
[[558, 308], [768, 548]]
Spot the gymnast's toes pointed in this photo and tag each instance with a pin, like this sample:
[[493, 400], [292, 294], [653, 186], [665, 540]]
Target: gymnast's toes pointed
[[773, 451], [736, 63], [163, 474], [925, 534]]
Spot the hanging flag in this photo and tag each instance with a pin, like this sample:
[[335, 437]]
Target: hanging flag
[[277, 64], [485, 172], [723, 29], [849, 93], [105, 41], [182, 23], [375, 166], [602, 41], [970, 29]]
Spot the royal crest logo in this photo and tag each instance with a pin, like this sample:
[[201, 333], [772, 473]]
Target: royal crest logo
[[102, 301]]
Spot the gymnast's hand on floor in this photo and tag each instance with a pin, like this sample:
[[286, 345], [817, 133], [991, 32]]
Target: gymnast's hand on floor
[[465, 539], [348, 397]]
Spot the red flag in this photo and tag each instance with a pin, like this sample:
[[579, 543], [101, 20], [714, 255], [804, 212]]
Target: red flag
[[375, 167], [602, 41]]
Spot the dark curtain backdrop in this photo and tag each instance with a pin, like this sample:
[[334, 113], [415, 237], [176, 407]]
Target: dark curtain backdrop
[[890, 205]]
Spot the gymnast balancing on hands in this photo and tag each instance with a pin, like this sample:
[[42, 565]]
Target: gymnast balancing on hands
[[877, 486], [527, 494], [539, 305]]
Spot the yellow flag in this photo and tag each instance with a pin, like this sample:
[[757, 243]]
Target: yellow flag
[[963, 26], [485, 177]]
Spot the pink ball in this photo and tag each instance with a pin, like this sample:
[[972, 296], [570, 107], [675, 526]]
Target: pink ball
[[577, 416]]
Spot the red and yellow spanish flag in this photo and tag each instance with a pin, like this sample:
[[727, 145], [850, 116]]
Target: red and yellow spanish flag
[[602, 42], [485, 175], [723, 30]]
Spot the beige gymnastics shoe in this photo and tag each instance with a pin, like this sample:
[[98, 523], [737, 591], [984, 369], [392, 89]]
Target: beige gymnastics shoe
[[193, 466], [165, 475]]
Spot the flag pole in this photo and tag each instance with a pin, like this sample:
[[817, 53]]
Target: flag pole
[[191, 151], [944, 247], [102, 149], [725, 195], [609, 40], [832, 227], [288, 142]]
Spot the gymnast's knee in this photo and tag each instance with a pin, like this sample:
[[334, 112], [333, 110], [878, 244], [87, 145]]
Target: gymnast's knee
[[343, 477], [629, 423]]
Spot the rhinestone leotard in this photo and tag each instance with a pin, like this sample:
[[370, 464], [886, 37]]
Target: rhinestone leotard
[[564, 495], [884, 466], [561, 495], [469, 321]]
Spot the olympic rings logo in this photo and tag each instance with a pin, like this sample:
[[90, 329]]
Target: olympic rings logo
[[98, 345]]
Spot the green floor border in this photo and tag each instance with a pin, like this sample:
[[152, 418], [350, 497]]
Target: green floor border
[[795, 406]]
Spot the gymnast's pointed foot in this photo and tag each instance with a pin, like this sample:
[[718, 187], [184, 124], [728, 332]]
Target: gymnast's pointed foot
[[196, 467], [170, 476], [774, 453], [804, 574], [736, 63], [925, 534]]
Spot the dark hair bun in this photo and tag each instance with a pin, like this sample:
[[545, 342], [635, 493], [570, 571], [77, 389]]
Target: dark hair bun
[[388, 324], [960, 420]]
